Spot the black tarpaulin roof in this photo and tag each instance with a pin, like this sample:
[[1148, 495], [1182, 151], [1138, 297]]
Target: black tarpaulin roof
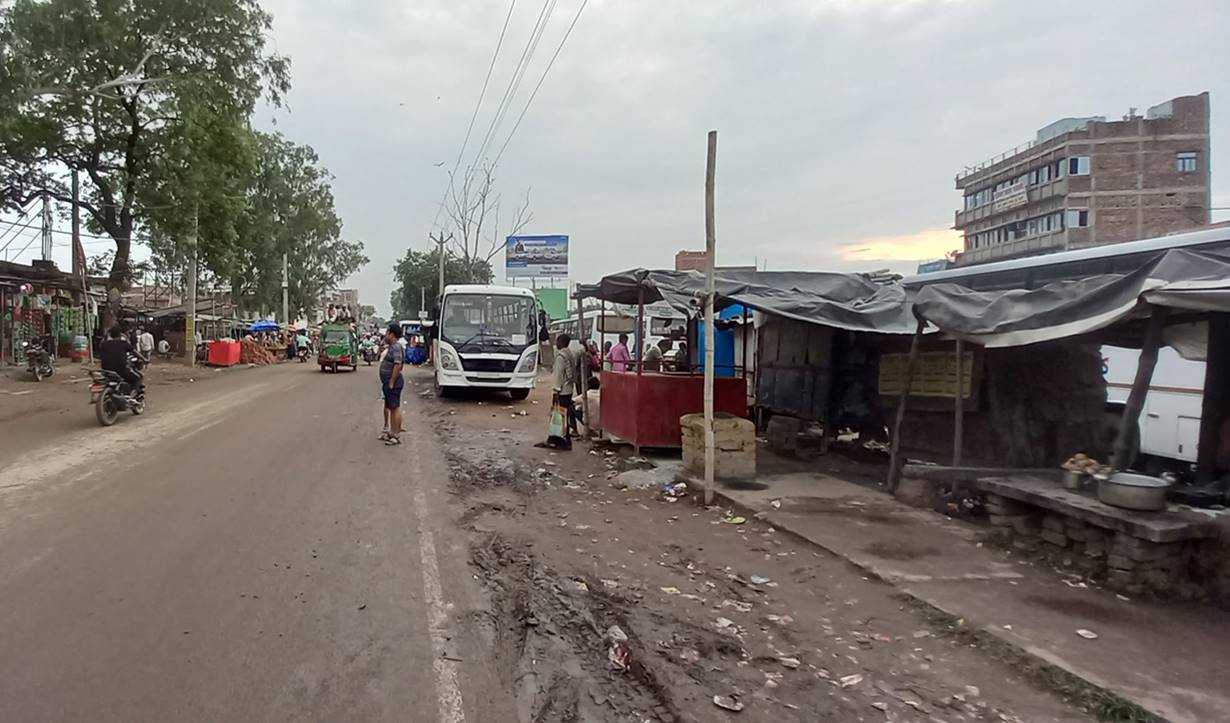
[[843, 301], [1180, 279]]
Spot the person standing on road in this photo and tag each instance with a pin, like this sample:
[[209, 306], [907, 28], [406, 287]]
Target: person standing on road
[[563, 383], [619, 356], [391, 384], [145, 344]]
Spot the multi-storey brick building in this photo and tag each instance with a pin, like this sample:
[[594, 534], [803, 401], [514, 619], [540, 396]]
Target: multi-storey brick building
[[1089, 181]]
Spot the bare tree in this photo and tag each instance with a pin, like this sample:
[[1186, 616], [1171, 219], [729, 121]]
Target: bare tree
[[473, 208]]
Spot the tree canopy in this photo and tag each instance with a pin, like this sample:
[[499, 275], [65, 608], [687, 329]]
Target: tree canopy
[[421, 270], [150, 101]]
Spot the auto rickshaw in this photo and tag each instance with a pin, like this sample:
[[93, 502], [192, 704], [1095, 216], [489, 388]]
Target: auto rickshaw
[[339, 346]]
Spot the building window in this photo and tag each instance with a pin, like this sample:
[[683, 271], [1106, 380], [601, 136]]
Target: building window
[[1077, 218], [1078, 166], [1185, 161]]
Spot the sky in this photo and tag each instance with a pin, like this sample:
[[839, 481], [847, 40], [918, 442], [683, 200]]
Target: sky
[[841, 123]]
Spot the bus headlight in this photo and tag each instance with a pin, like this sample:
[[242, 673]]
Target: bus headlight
[[528, 364], [448, 361]]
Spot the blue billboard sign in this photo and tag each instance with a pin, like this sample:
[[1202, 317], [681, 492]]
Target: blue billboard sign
[[536, 257]]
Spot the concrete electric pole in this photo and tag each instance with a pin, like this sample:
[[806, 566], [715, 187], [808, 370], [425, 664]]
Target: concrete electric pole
[[710, 244], [190, 320], [285, 291]]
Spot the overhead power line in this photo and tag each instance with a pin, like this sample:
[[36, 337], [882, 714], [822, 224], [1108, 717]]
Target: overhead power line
[[482, 94], [546, 70], [514, 82]]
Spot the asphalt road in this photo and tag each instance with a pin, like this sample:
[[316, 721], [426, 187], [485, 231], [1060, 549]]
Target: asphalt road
[[246, 551]]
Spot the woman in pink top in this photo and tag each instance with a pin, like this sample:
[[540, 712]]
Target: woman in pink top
[[619, 356]]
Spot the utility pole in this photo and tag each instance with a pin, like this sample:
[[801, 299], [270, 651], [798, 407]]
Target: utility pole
[[710, 244], [422, 299], [46, 227], [79, 266], [190, 320], [285, 291], [440, 244]]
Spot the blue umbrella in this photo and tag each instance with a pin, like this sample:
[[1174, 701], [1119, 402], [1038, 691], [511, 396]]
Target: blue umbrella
[[264, 325]]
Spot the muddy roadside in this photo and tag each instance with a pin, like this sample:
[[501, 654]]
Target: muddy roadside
[[610, 604]]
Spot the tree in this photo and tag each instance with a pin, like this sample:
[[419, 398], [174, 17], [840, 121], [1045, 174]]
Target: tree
[[117, 90], [288, 210], [473, 208], [419, 270]]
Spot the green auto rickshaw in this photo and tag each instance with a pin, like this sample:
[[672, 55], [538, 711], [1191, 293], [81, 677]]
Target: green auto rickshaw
[[339, 347]]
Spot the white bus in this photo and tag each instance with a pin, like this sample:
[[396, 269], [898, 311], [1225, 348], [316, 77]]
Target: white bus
[[605, 326], [487, 337], [1170, 423]]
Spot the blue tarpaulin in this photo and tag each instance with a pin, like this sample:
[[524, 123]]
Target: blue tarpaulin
[[264, 325]]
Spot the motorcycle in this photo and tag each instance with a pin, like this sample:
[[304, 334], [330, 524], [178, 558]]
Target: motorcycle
[[370, 353], [304, 353], [111, 394], [38, 360]]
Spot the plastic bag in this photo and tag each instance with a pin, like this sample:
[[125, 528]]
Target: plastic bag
[[557, 427]]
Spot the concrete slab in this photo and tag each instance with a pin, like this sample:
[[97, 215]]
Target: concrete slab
[[893, 542], [1161, 657]]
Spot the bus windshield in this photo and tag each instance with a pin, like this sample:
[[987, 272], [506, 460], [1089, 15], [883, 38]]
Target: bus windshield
[[488, 322]]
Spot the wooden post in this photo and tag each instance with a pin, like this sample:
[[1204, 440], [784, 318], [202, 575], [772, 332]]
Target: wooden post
[[585, 368], [1216, 405], [894, 466], [640, 330], [1140, 387], [958, 410], [710, 244]]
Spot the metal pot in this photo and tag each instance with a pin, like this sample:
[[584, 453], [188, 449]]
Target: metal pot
[[1073, 479], [1133, 491]]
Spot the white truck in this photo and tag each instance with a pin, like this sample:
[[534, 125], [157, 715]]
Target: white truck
[[1170, 421], [487, 337]]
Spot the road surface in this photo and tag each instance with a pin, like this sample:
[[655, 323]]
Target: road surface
[[245, 551]]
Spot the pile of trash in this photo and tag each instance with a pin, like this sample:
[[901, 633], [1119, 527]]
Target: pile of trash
[[251, 352]]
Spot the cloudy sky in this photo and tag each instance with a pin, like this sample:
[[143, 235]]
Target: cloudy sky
[[841, 122]]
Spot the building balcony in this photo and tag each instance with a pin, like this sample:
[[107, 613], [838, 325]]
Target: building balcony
[[1035, 194], [1032, 246]]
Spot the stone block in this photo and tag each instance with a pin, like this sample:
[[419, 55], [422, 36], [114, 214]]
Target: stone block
[[1026, 524], [914, 492], [1000, 520], [1120, 579], [1058, 539], [1054, 523], [735, 447], [1120, 562], [783, 433], [1156, 579], [998, 505], [1095, 548]]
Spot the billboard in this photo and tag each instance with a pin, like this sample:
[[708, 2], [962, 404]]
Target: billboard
[[536, 257]]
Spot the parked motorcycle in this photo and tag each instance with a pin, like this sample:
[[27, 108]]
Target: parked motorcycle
[[38, 359], [111, 394]]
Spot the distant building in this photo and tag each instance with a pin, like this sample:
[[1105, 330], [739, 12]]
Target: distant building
[[1088, 182], [697, 261]]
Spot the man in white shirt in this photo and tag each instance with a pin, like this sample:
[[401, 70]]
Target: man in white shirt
[[145, 344]]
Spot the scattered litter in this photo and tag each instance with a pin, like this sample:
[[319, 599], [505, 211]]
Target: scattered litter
[[852, 679], [772, 680], [619, 654], [363, 606], [610, 584], [743, 607], [1087, 634], [734, 519], [922, 634], [675, 491], [728, 702], [1124, 598], [779, 619], [580, 586], [1077, 585], [973, 691], [880, 705], [775, 504], [690, 656], [670, 590], [791, 663], [760, 580]]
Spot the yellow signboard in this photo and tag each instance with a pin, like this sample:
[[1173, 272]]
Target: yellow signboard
[[935, 374]]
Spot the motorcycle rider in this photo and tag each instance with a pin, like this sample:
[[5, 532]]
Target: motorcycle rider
[[113, 353]]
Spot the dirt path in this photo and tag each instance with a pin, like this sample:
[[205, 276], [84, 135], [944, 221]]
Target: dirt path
[[708, 607]]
